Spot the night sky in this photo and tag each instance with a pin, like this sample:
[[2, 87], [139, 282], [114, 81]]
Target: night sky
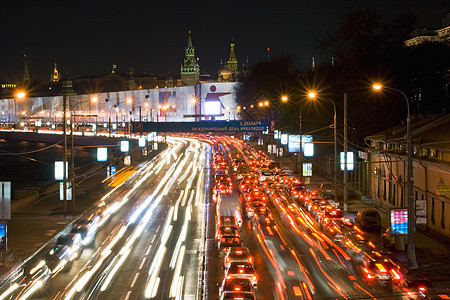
[[88, 37]]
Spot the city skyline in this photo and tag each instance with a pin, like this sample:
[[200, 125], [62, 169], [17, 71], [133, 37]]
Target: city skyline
[[87, 39]]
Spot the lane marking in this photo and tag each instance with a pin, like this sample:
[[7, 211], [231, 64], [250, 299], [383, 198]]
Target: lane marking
[[134, 280], [142, 263], [153, 239], [148, 250], [128, 295]]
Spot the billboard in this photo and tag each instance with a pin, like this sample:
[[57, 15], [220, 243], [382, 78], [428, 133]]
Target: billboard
[[350, 162], [59, 170], [124, 146], [399, 221], [3, 235], [308, 149], [102, 154], [142, 142], [294, 143], [307, 169], [284, 139]]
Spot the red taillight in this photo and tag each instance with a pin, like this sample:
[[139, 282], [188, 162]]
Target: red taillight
[[241, 271], [239, 252], [422, 289]]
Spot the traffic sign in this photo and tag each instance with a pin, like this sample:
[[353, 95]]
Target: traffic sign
[[201, 127]]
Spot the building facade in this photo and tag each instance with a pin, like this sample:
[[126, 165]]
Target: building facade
[[387, 171]]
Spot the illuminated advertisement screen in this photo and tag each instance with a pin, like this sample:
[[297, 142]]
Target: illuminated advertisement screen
[[294, 143], [142, 142], [213, 108], [102, 154], [308, 149], [350, 164], [399, 221], [307, 169], [59, 166], [3, 236], [124, 146], [306, 139], [284, 139]]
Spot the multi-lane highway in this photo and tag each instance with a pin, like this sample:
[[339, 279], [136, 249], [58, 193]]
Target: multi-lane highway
[[153, 236]]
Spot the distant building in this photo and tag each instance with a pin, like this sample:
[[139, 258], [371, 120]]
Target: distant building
[[425, 35], [190, 70], [54, 77], [230, 71], [386, 170]]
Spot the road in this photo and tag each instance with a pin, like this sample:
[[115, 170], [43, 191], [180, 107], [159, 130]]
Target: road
[[156, 239], [152, 245]]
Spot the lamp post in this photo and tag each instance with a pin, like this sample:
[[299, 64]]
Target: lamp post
[[313, 95], [72, 154], [412, 261]]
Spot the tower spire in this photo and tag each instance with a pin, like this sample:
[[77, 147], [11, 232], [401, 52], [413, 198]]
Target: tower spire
[[190, 70], [313, 67], [26, 75], [54, 77]]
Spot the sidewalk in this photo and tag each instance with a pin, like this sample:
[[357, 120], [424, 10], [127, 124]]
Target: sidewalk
[[432, 253]]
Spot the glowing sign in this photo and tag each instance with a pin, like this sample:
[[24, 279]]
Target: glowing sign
[[307, 169], [213, 108], [294, 143], [102, 154], [308, 149], [350, 164], [59, 166], [124, 146], [142, 142], [284, 139], [399, 221]]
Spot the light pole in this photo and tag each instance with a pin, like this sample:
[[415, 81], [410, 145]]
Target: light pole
[[72, 154], [313, 95], [412, 261]]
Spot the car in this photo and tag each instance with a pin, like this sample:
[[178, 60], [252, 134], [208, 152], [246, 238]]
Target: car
[[368, 219], [59, 258], [229, 241], [237, 295], [38, 278], [256, 207], [87, 226], [297, 191], [326, 190], [248, 182], [265, 173], [75, 243], [241, 270], [241, 254], [236, 285], [227, 230]]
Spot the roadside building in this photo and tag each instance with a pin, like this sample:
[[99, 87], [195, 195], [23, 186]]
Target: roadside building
[[387, 170]]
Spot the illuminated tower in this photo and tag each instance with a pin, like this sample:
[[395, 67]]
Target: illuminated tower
[[190, 70], [54, 77], [230, 71], [232, 63]]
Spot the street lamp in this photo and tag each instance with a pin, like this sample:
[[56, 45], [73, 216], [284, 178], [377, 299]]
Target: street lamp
[[412, 261], [313, 95]]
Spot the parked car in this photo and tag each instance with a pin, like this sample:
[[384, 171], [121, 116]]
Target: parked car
[[326, 190]]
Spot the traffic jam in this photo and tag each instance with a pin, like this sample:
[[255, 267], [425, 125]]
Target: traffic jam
[[292, 221]]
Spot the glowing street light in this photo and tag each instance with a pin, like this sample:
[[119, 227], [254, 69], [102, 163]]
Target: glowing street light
[[20, 95], [412, 261], [284, 98], [313, 95]]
